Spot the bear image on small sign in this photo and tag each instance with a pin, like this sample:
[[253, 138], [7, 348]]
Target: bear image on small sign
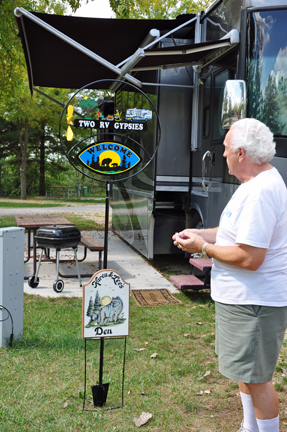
[[106, 305]]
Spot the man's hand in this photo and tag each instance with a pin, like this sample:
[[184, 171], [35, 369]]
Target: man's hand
[[188, 241]]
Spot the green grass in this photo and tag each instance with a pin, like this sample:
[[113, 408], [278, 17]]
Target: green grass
[[49, 202], [42, 375], [80, 222], [7, 204], [7, 221], [84, 224], [80, 201]]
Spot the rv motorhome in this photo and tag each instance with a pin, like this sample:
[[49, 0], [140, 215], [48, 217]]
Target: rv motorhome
[[189, 185]]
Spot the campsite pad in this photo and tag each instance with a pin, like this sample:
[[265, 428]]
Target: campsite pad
[[154, 297]]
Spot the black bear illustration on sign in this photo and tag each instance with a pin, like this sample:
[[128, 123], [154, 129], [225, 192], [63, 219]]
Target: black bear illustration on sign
[[109, 158]]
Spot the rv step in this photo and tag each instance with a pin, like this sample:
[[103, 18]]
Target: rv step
[[202, 264], [184, 282]]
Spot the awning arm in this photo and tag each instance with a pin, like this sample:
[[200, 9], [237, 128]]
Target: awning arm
[[151, 36], [222, 47], [134, 59], [21, 11], [234, 39], [170, 66], [157, 38], [167, 85], [131, 61], [187, 51], [230, 39], [29, 65]]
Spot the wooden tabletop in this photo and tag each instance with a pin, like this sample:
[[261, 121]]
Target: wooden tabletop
[[37, 221]]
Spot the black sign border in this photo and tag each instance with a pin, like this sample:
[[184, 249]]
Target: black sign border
[[158, 132]]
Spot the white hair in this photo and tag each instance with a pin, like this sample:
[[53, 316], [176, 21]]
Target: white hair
[[256, 139]]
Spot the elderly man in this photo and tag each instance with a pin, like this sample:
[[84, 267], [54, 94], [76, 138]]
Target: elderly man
[[249, 274]]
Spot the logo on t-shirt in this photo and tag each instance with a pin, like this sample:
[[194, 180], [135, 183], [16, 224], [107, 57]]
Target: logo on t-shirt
[[227, 212]]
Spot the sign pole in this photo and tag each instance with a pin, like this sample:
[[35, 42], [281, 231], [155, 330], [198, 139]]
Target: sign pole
[[106, 224], [100, 391]]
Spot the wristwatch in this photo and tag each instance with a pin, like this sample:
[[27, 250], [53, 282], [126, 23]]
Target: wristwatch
[[203, 252]]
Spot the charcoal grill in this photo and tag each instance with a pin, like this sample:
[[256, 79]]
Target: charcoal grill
[[56, 237]]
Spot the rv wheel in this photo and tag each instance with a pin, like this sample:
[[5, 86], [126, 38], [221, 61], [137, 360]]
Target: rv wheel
[[196, 222]]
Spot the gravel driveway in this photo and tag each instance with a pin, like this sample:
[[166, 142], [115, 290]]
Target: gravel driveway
[[46, 210]]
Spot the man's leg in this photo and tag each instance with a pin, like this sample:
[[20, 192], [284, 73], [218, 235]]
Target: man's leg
[[249, 420], [265, 403]]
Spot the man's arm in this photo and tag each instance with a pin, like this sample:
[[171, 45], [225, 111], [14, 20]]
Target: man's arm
[[243, 256]]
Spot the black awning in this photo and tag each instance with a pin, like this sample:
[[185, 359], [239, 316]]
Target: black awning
[[52, 62]]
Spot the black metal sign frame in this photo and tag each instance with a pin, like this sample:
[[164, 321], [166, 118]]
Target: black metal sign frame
[[100, 390], [158, 132]]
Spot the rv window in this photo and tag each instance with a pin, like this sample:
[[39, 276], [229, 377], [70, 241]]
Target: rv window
[[266, 69], [219, 82], [225, 17]]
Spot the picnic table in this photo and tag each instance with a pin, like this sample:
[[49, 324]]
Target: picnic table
[[56, 190], [32, 223]]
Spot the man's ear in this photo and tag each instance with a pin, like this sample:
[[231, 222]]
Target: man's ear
[[241, 154]]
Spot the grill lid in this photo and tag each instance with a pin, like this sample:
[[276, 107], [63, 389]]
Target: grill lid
[[58, 236], [58, 231]]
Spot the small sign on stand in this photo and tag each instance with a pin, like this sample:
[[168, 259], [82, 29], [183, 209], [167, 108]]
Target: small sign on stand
[[106, 300]]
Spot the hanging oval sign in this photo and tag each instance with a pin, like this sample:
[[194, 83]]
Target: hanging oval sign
[[108, 157]]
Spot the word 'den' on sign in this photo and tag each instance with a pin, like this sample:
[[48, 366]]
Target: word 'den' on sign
[[106, 305]]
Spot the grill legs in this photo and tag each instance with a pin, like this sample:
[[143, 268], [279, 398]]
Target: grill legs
[[58, 285], [78, 268]]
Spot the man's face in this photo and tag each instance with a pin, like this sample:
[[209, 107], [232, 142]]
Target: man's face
[[230, 155]]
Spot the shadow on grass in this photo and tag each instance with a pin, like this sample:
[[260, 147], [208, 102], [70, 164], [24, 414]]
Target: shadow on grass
[[200, 297]]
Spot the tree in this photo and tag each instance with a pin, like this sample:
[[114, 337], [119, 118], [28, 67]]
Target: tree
[[11, 53], [32, 117], [97, 304], [90, 310], [88, 105], [271, 108], [8, 147], [158, 9], [16, 105]]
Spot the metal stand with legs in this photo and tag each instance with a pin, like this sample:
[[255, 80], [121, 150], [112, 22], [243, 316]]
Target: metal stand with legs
[[100, 390]]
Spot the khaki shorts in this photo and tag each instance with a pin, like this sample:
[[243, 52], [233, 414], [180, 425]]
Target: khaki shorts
[[248, 340]]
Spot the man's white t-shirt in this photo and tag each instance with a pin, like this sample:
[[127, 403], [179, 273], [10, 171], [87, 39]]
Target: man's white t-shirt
[[256, 215]]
